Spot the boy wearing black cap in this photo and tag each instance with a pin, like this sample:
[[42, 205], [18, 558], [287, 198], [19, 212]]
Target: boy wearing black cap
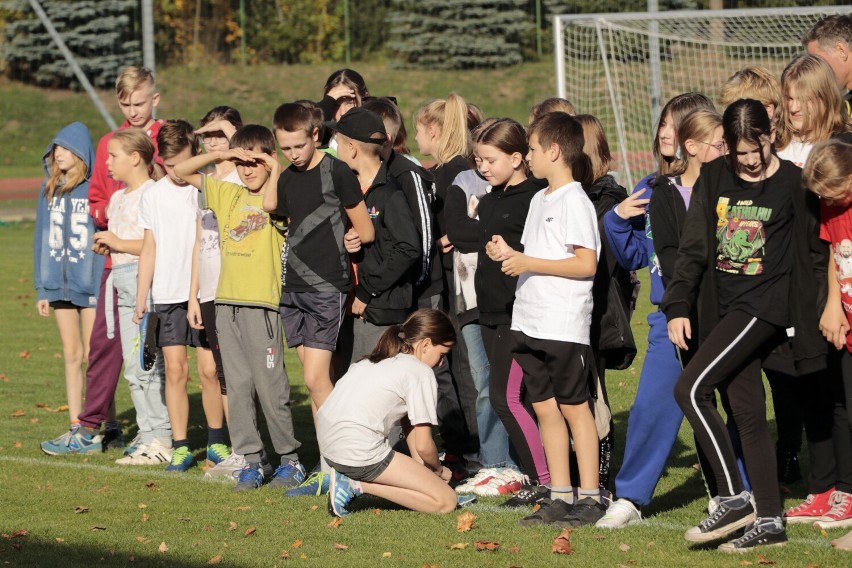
[[384, 289], [321, 196]]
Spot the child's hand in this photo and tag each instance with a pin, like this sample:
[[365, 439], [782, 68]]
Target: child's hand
[[139, 313], [43, 308], [222, 126], [100, 249], [352, 241], [516, 264], [445, 474], [834, 325], [341, 90], [633, 206], [679, 331], [497, 250], [107, 239], [358, 308], [237, 155], [269, 162], [193, 314]]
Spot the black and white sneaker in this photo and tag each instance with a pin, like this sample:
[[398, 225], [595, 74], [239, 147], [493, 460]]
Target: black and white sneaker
[[528, 496], [586, 511], [766, 531], [732, 514], [551, 511]]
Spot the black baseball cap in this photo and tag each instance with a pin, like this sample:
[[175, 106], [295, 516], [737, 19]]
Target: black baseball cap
[[360, 124]]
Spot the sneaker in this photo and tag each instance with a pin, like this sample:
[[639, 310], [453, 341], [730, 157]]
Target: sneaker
[[840, 514], [154, 453], [181, 459], [733, 513], [73, 442], [713, 505], [528, 495], [622, 513], [228, 469], [465, 500], [133, 445], [811, 509], [843, 543], [316, 484], [551, 511], [287, 475], [788, 466], [341, 492], [217, 453], [113, 439], [503, 478], [251, 477], [586, 511], [763, 532]]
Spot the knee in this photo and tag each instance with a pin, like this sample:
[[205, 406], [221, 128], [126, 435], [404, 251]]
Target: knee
[[73, 355], [683, 393], [498, 402], [446, 501]]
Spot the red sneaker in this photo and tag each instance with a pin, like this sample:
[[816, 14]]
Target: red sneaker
[[840, 514], [811, 509]]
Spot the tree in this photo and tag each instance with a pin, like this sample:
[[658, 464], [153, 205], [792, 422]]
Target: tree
[[445, 34], [296, 31], [103, 35]]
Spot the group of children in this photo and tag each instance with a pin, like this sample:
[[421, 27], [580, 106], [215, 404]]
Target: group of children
[[485, 296]]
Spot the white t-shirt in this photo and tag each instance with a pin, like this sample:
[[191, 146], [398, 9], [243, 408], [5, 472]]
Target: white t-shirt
[[796, 152], [354, 422], [210, 252], [555, 307], [123, 213]]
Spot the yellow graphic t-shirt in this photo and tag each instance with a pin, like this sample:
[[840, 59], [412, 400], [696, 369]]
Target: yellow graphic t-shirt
[[250, 244]]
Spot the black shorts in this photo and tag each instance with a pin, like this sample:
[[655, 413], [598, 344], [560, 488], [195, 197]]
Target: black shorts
[[554, 369], [312, 319], [64, 305], [174, 327], [363, 472], [208, 339]]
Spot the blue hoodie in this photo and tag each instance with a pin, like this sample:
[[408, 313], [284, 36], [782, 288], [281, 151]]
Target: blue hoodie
[[632, 242], [64, 264]]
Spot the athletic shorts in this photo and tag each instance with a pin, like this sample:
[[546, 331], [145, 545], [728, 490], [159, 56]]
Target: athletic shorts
[[174, 327], [553, 369], [363, 472], [312, 319], [64, 305], [208, 339]]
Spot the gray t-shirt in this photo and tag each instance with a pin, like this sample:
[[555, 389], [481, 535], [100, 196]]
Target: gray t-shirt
[[368, 401]]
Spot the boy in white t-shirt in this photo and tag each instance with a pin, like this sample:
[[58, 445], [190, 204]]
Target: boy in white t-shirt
[[553, 313], [168, 213]]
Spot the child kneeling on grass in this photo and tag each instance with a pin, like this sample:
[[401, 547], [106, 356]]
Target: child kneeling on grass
[[394, 384]]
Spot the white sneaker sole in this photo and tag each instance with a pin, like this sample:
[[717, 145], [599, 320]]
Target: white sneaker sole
[[698, 536]]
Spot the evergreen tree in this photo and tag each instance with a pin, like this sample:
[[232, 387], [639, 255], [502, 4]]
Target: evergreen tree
[[103, 35], [446, 34]]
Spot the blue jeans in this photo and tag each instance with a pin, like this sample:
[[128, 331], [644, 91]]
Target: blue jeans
[[493, 438]]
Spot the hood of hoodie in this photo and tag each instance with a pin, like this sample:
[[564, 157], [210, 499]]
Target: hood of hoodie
[[76, 138], [606, 186]]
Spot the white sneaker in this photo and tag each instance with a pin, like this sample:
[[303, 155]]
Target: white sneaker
[[154, 453], [507, 481], [228, 469], [481, 476], [622, 513]]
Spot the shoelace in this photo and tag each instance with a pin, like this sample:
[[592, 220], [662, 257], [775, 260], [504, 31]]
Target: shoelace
[[841, 501], [712, 519], [249, 474]]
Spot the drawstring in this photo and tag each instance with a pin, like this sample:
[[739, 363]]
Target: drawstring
[[269, 331]]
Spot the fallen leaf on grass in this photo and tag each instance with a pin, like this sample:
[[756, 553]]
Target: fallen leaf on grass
[[243, 508], [208, 529], [314, 507], [377, 511], [465, 521], [33, 420], [81, 509], [98, 528], [285, 554], [215, 560], [562, 543], [4, 377], [761, 559], [18, 445], [386, 555], [303, 556], [41, 405], [17, 534], [103, 489], [250, 531], [336, 522], [513, 549], [745, 563], [232, 526], [486, 545], [458, 546], [822, 531], [151, 485], [297, 543], [142, 506], [650, 543], [163, 547], [145, 517], [623, 547], [338, 546], [143, 540], [60, 408], [60, 540], [24, 355], [18, 413]]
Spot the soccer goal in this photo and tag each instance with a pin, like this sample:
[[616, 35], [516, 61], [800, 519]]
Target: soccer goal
[[623, 67]]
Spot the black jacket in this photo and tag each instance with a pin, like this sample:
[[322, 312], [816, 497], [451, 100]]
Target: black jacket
[[693, 283], [668, 217], [501, 213], [445, 174], [385, 265]]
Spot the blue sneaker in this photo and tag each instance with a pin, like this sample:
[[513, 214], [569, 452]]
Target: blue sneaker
[[316, 484], [341, 492], [251, 477], [181, 459], [74, 441], [287, 475], [465, 499], [217, 453]]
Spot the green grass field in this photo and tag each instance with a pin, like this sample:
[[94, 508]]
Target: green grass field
[[87, 511]]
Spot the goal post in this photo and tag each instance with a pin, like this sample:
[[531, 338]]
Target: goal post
[[622, 67]]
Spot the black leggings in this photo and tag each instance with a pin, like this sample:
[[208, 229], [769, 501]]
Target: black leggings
[[729, 360]]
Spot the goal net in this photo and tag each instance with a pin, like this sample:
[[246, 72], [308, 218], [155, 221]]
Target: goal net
[[623, 67]]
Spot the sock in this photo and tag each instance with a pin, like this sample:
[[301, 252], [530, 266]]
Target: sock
[[180, 444], [111, 425], [735, 501], [589, 494], [356, 487], [563, 493], [216, 436], [771, 524]]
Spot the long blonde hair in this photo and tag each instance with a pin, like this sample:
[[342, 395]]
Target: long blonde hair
[[59, 182], [828, 171], [698, 126], [450, 115], [136, 140], [595, 145]]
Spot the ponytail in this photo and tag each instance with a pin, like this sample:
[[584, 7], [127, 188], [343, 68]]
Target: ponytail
[[451, 116], [422, 324]]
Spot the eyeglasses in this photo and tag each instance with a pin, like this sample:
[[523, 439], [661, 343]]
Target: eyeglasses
[[719, 146]]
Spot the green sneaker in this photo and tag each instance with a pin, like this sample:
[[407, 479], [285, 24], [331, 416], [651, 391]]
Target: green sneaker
[[217, 453], [181, 459]]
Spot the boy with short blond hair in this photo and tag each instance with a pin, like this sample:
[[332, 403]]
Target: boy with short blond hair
[[247, 297], [754, 82]]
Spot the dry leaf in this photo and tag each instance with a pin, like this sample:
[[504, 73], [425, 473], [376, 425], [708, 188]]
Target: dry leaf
[[4, 377], [745, 563], [142, 505], [761, 559], [18, 445], [338, 546], [143, 540], [386, 554], [24, 355], [243, 508], [536, 507], [81, 509], [232, 526], [151, 485], [465, 521], [562, 543], [623, 547], [250, 531], [314, 507], [103, 489], [303, 556], [17, 534], [377, 511], [297, 543], [208, 529], [336, 522], [60, 540], [822, 531], [41, 405], [285, 554], [163, 547], [650, 543], [18, 413], [33, 420], [145, 517], [513, 549], [458, 546], [215, 560], [486, 545]]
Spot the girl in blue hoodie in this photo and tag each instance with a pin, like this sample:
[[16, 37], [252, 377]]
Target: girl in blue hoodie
[[67, 272]]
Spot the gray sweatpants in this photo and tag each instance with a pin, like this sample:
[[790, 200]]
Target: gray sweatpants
[[252, 347]]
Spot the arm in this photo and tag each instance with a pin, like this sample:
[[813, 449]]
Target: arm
[[113, 243], [147, 256], [462, 230], [361, 223], [188, 169], [42, 217], [271, 198], [834, 324], [583, 265], [193, 310], [426, 452], [626, 234]]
